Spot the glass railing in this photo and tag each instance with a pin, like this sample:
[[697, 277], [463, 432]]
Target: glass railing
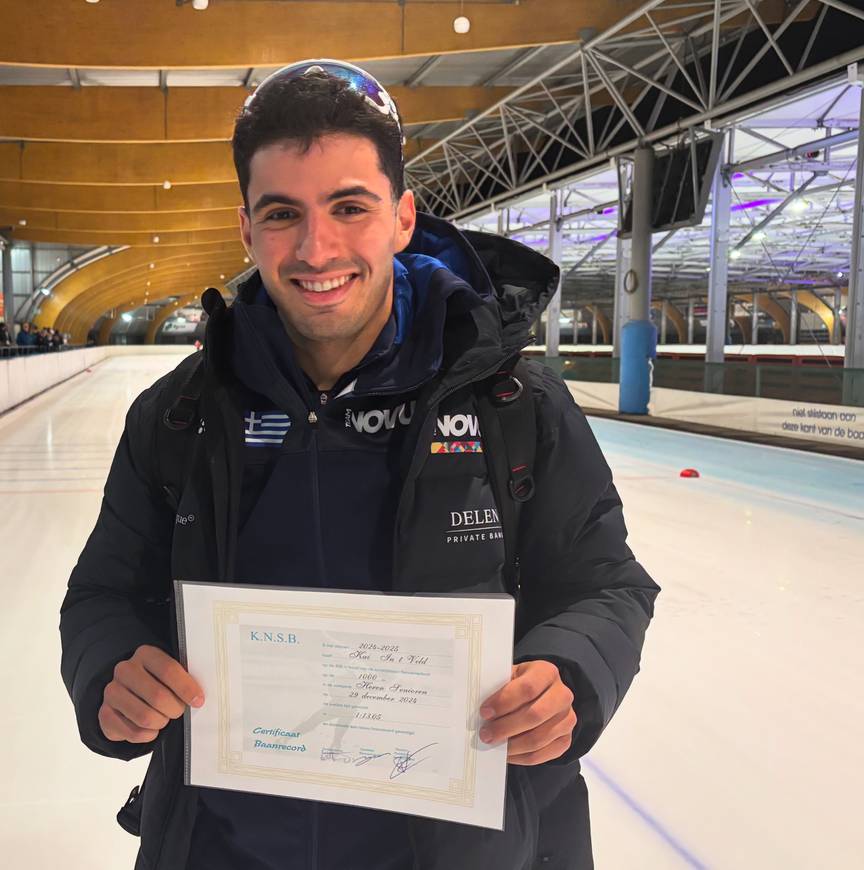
[[13, 350], [827, 385], [597, 369]]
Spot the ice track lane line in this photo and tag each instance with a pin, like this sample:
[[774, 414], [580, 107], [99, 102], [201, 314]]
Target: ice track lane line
[[682, 851]]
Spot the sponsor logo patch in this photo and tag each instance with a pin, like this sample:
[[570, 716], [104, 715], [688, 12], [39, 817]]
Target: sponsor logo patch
[[474, 526], [457, 447], [372, 422], [450, 429]]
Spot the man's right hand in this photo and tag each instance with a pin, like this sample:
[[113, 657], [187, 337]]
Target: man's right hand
[[147, 692]]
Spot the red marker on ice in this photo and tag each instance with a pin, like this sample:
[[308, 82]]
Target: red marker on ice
[[689, 472]]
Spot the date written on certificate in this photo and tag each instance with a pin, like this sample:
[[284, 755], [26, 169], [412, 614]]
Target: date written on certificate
[[362, 699]]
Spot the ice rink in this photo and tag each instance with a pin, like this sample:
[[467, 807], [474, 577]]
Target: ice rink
[[736, 747]]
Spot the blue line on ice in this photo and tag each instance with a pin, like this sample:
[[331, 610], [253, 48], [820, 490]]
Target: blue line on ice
[[682, 851]]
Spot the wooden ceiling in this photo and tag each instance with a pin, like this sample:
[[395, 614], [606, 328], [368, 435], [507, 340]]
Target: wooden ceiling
[[86, 166]]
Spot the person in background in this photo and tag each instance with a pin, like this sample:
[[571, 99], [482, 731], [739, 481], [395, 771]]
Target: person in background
[[5, 338], [26, 338]]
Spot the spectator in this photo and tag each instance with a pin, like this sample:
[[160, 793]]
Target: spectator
[[26, 338], [5, 338]]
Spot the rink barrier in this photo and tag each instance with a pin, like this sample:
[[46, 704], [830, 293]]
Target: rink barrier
[[828, 424], [22, 378]]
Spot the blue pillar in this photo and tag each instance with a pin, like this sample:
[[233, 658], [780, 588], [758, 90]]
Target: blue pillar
[[638, 334], [638, 348]]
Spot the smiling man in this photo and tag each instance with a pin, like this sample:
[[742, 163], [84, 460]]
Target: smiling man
[[335, 435], [325, 250]]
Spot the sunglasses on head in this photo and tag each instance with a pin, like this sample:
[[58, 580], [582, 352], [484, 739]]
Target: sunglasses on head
[[359, 80]]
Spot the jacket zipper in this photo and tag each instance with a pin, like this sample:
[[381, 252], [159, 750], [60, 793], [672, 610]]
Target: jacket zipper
[[316, 498]]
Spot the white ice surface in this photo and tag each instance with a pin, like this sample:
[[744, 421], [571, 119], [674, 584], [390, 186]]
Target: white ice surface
[[735, 748]]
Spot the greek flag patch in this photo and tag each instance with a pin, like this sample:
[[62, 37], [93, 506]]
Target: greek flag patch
[[265, 428]]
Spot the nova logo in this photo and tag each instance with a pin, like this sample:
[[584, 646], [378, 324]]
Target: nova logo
[[458, 426], [370, 422], [447, 426], [272, 637]]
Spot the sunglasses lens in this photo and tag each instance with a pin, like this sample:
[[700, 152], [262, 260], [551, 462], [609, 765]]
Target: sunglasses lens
[[360, 82]]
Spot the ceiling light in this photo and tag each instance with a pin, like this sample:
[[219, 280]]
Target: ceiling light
[[155, 240], [221, 277], [760, 236], [200, 5], [245, 259], [839, 274], [152, 265], [735, 254], [799, 205], [166, 184], [127, 317], [22, 223], [92, 1], [461, 24]]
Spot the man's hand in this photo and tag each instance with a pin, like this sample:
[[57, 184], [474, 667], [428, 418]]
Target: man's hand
[[534, 711], [147, 691]]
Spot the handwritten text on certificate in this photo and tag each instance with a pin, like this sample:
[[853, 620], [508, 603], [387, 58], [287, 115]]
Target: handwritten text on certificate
[[356, 698]]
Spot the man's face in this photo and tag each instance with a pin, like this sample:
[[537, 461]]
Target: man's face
[[322, 229]]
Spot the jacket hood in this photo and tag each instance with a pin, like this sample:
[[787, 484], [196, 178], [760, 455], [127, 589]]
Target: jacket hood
[[520, 280], [461, 301]]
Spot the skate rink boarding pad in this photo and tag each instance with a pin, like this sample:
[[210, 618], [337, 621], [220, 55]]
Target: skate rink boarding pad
[[23, 377]]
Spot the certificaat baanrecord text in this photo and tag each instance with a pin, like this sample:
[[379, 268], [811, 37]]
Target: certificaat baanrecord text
[[355, 698]]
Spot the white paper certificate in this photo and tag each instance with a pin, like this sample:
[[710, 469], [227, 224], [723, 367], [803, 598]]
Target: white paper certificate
[[354, 698]]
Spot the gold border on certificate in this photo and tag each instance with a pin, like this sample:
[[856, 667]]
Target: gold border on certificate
[[466, 626]]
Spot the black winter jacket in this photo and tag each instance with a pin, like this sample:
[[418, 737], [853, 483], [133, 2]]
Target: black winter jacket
[[585, 602]]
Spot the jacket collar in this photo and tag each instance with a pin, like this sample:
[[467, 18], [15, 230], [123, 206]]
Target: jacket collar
[[475, 297]]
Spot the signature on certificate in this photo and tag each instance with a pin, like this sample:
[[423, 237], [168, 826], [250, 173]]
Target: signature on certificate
[[403, 761]]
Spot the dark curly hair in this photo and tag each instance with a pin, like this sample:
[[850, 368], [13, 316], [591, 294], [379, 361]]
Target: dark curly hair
[[304, 109]]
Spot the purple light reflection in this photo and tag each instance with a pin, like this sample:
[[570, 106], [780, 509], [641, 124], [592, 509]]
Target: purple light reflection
[[756, 203]]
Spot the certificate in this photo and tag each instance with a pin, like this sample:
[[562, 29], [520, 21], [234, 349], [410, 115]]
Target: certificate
[[366, 699]]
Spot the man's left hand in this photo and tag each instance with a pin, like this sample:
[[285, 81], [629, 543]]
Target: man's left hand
[[534, 711]]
